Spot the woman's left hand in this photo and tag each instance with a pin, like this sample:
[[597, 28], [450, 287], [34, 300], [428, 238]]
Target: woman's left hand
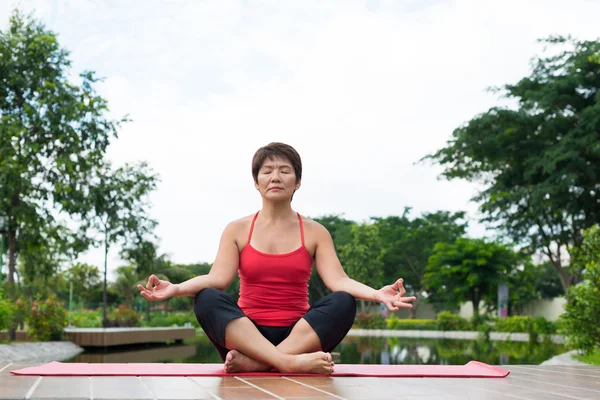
[[393, 296]]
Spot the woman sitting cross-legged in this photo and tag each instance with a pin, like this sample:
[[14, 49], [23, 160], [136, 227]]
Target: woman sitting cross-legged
[[273, 251]]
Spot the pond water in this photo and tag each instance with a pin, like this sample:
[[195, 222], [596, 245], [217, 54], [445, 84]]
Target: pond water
[[352, 350]]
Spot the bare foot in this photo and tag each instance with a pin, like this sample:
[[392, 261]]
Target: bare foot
[[311, 363], [238, 362]]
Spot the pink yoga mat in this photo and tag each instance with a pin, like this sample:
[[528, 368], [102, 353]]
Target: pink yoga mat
[[473, 369]]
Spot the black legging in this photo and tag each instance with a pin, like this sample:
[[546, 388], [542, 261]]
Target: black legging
[[331, 318]]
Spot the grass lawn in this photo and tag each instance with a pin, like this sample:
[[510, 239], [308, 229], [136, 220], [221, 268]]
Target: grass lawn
[[593, 358]]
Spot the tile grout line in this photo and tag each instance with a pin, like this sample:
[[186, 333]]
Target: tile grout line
[[503, 394], [259, 388], [554, 372], [312, 387], [32, 388], [557, 384], [207, 391], [91, 389], [147, 387], [485, 390], [532, 372], [543, 391], [6, 366]]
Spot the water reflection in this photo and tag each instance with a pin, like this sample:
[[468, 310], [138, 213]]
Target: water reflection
[[377, 350], [136, 354], [353, 350]]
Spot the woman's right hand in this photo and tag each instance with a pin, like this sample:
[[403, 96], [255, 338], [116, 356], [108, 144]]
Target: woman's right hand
[[157, 290]]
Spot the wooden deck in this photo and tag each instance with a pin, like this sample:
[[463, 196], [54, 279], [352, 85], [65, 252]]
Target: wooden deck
[[104, 337], [524, 382]]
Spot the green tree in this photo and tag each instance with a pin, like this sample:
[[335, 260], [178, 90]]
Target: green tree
[[85, 279], [52, 134], [539, 161], [547, 282], [521, 287], [582, 312], [126, 283], [362, 257], [143, 254], [119, 200], [469, 270], [409, 243]]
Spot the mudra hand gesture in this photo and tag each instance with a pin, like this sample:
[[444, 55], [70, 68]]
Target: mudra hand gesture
[[393, 296], [157, 290]]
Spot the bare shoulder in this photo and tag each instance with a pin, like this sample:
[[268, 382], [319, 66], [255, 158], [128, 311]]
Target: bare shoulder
[[238, 225], [237, 231]]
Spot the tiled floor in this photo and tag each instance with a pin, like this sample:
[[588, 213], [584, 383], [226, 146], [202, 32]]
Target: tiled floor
[[524, 382]]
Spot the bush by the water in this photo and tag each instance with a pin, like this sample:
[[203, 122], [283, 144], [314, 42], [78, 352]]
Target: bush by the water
[[6, 314], [581, 320], [124, 316], [366, 320], [47, 319], [178, 318], [86, 318], [515, 323], [412, 324], [452, 322]]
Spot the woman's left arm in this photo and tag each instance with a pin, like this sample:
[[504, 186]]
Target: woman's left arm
[[335, 278]]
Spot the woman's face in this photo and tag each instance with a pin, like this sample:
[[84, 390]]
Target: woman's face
[[276, 179]]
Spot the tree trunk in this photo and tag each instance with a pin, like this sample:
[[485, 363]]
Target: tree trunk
[[475, 298], [104, 302], [567, 279], [412, 312]]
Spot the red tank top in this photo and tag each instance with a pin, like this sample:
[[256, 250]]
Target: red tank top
[[274, 287]]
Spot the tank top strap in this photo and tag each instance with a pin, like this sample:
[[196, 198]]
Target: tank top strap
[[301, 229], [252, 226]]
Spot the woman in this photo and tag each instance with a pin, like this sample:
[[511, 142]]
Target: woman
[[273, 251]]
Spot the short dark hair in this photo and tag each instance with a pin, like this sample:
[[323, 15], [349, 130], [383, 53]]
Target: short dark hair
[[276, 150]]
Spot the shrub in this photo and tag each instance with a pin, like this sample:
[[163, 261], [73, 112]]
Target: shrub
[[581, 320], [21, 310], [480, 321], [86, 318], [46, 319], [452, 322], [172, 319], [124, 316], [515, 323], [540, 326], [6, 314], [365, 320], [412, 324]]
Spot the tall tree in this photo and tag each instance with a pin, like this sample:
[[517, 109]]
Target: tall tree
[[469, 270], [362, 257], [539, 160], [85, 279], [119, 200], [52, 132], [143, 254], [409, 243], [126, 283]]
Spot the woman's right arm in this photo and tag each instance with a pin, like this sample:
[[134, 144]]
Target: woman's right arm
[[220, 276]]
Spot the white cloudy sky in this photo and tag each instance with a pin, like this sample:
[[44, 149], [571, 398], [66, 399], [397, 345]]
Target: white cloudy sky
[[362, 89]]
